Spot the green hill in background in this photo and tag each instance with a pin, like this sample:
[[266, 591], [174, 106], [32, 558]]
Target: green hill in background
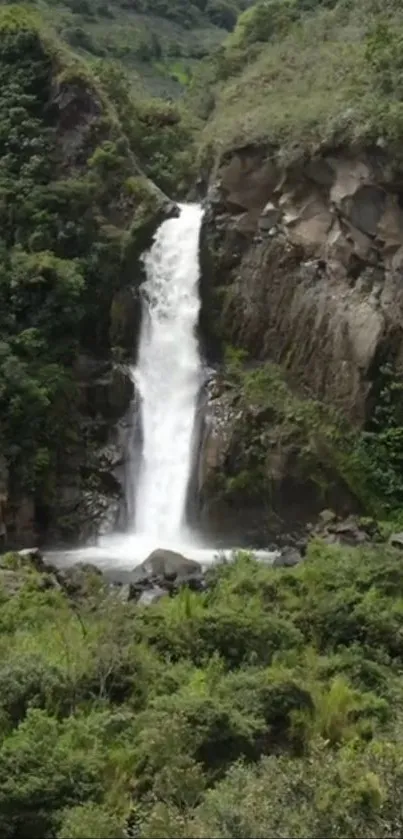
[[159, 42]]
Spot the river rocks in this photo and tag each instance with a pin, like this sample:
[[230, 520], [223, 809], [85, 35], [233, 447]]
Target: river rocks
[[351, 531], [169, 564], [151, 595]]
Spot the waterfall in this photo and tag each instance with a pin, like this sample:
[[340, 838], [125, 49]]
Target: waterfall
[[168, 377]]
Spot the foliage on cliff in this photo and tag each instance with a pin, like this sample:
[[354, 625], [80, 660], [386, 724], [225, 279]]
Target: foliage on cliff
[[160, 133], [269, 705], [304, 75], [75, 210], [290, 455]]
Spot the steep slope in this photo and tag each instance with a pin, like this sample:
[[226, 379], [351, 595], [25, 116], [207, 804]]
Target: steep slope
[[302, 248], [76, 211]]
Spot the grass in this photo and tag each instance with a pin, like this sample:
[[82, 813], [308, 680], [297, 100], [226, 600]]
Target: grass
[[312, 87]]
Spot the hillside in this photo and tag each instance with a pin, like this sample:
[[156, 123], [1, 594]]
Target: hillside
[[312, 75], [159, 43]]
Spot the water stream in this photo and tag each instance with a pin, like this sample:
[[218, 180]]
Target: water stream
[[168, 376]]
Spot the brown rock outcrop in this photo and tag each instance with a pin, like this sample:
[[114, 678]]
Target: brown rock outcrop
[[304, 268]]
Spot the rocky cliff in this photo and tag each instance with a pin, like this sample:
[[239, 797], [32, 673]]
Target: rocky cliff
[[302, 267], [307, 268]]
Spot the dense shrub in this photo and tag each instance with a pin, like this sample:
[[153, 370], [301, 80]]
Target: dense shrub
[[115, 721], [121, 720]]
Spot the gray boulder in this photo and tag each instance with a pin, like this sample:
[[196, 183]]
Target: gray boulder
[[80, 581], [166, 564], [287, 558], [396, 540], [166, 570], [151, 595]]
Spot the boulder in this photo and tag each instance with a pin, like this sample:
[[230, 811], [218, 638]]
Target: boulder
[[151, 595], [167, 564], [396, 540], [350, 531], [80, 581], [166, 570], [327, 517], [287, 558]]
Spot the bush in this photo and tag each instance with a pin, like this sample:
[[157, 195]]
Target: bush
[[272, 719]]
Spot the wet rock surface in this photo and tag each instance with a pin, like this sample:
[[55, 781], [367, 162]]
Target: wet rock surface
[[396, 540]]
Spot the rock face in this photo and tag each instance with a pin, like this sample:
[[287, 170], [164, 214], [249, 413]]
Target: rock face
[[303, 267], [261, 474], [90, 492]]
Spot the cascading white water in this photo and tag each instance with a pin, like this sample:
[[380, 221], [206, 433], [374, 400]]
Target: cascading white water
[[168, 376]]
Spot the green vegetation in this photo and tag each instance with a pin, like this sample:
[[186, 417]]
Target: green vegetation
[[313, 74], [159, 43], [75, 211], [320, 449], [268, 705], [160, 133]]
